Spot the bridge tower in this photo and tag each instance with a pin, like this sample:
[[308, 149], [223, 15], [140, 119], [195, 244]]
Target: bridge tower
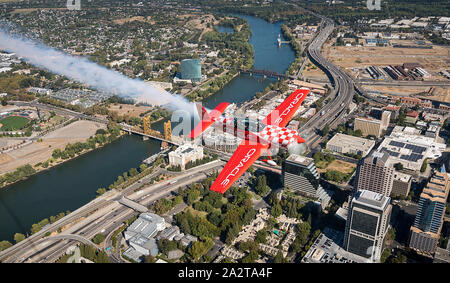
[[168, 130], [147, 125]]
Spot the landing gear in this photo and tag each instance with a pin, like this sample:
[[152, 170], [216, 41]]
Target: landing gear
[[269, 160]]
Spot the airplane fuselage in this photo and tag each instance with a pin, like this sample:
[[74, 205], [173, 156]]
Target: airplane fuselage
[[254, 131]]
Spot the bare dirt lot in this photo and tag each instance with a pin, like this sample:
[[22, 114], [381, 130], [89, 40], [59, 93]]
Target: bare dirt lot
[[339, 165], [41, 151], [439, 94], [132, 19], [433, 60], [200, 22], [313, 72], [128, 109]]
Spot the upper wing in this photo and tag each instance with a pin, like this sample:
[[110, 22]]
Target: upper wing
[[244, 156], [284, 112], [207, 118]]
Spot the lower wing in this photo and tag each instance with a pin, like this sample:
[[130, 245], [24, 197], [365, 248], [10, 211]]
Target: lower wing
[[244, 156]]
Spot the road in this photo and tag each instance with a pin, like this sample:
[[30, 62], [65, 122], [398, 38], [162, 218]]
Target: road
[[405, 83], [334, 112], [101, 214], [106, 214], [61, 111]]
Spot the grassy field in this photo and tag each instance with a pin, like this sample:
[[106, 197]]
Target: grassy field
[[12, 123], [337, 165]]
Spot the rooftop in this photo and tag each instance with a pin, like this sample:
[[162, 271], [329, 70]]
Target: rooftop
[[368, 119], [437, 188], [327, 249], [442, 255], [146, 225], [371, 199], [402, 177], [351, 141], [305, 161]]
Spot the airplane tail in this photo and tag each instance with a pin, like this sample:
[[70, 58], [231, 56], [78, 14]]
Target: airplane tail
[[202, 112], [207, 118]]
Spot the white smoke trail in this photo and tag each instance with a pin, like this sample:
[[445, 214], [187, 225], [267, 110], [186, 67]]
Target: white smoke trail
[[87, 72]]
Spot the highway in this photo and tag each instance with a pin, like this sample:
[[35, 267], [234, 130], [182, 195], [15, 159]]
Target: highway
[[106, 214], [340, 97], [61, 111], [101, 214]]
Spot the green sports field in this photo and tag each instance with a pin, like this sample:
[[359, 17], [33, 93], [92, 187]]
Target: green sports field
[[13, 123]]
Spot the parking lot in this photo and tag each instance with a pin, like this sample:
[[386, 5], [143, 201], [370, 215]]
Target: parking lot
[[328, 249]]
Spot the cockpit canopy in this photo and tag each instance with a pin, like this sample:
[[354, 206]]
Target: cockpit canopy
[[248, 124]]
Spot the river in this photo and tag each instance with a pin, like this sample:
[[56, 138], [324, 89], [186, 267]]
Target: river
[[75, 182]]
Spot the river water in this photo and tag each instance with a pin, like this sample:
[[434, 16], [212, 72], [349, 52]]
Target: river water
[[74, 183]]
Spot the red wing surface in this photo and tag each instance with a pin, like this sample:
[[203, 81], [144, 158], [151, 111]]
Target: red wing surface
[[207, 118], [244, 156], [284, 112]]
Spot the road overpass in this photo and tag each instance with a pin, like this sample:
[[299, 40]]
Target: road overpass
[[103, 212], [133, 205]]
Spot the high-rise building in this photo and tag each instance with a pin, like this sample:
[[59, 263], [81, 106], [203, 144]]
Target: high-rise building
[[168, 130], [376, 113], [191, 69], [375, 173], [382, 115], [368, 126], [426, 230], [147, 124], [401, 185], [367, 224], [299, 174], [385, 119], [184, 154]]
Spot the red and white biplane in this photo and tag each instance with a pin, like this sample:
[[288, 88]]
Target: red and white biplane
[[257, 136]]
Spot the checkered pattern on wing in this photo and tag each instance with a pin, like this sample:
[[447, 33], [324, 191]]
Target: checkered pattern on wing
[[279, 135]]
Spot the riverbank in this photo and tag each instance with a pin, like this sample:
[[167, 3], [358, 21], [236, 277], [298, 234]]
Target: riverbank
[[237, 42], [73, 184], [58, 157]]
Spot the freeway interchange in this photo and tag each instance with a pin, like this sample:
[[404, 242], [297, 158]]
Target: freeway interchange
[[105, 214], [102, 215]]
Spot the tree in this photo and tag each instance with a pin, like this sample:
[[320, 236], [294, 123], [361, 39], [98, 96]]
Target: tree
[[303, 230], [261, 185], [318, 156], [133, 172], [19, 237], [192, 196], [276, 210], [385, 255], [279, 257], [325, 130], [98, 238], [4, 245], [142, 167], [199, 248], [424, 166], [398, 166], [149, 259], [251, 257], [260, 237]]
